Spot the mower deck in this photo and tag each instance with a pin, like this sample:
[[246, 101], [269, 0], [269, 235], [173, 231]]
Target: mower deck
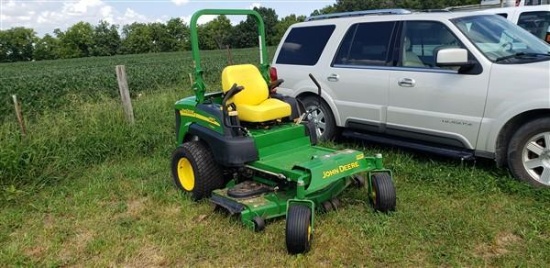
[[286, 158]]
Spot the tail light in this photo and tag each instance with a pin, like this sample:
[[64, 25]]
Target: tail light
[[273, 74]]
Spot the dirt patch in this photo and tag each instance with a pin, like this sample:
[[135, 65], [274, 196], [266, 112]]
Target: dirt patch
[[136, 206], [498, 247], [147, 256], [173, 210], [74, 246], [36, 252]]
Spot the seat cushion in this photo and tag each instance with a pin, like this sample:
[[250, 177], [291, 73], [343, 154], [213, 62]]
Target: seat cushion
[[270, 109]]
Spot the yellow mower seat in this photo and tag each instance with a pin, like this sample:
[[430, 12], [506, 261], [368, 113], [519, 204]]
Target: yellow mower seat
[[253, 103]]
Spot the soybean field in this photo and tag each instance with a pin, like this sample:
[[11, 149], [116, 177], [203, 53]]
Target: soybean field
[[44, 85]]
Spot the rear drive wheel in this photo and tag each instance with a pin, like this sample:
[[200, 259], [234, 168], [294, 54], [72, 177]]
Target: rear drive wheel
[[529, 152], [383, 197], [322, 117], [194, 170], [298, 229]]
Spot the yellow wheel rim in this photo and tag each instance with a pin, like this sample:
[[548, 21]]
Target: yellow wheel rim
[[186, 176], [309, 233]]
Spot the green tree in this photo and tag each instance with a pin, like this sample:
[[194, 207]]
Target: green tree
[[106, 40], [16, 44], [178, 33], [244, 34], [284, 23], [77, 41], [3, 46], [215, 33], [159, 37], [354, 5], [46, 48], [136, 38]]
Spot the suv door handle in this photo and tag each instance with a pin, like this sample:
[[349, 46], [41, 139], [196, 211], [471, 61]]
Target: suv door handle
[[333, 78], [406, 82]]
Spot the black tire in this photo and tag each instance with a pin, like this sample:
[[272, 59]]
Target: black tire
[[195, 171], [322, 117], [529, 153], [298, 229], [383, 197], [259, 224]]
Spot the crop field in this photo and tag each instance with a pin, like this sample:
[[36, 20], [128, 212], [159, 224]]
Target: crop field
[[44, 85], [83, 188]]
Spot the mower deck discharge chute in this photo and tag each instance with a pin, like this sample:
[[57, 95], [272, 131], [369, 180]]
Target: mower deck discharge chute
[[246, 150]]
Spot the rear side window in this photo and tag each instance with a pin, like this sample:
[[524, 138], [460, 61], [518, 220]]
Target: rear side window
[[304, 45], [536, 22], [365, 44], [504, 15]]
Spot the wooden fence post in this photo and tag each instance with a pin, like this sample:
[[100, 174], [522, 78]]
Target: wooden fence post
[[191, 79], [229, 57], [125, 93], [19, 115]]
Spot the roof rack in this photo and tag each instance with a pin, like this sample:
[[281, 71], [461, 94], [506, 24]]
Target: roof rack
[[472, 7], [396, 11]]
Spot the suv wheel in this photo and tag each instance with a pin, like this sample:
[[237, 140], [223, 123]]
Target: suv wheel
[[529, 152], [321, 116]]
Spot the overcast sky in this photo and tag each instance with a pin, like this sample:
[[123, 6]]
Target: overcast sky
[[46, 15]]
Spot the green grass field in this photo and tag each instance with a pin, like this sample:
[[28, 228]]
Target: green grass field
[[86, 189]]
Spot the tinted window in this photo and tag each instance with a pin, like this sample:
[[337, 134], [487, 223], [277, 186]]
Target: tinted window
[[536, 22], [304, 45], [365, 44], [504, 15]]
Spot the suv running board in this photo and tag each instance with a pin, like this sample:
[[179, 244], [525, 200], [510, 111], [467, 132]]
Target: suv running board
[[462, 154]]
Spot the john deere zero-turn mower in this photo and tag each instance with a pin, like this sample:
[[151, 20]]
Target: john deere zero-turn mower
[[254, 154]]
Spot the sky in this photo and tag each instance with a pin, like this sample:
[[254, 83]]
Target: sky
[[46, 15]]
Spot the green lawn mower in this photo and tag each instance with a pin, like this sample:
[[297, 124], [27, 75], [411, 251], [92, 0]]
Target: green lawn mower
[[254, 153]]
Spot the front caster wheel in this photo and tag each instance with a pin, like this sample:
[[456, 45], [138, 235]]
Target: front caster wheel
[[195, 171], [358, 181], [382, 192], [259, 224], [298, 229]]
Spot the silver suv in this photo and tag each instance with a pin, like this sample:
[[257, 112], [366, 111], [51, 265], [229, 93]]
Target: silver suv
[[459, 84]]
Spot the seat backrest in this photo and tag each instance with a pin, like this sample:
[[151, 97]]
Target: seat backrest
[[247, 75], [409, 58]]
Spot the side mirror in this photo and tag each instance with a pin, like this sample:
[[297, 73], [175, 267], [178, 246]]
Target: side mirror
[[451, 57]]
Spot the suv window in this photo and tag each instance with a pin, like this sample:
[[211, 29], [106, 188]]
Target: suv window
[[365, 44], [536, 22], [422, 39], [304, 45]]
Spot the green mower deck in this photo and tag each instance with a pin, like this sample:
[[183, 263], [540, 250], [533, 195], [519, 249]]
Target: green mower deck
[[294, 171]]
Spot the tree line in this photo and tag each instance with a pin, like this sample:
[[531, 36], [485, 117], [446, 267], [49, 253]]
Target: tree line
[[86, 40], [104, 39]]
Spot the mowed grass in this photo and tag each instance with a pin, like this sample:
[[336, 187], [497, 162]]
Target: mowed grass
[[123, 210]]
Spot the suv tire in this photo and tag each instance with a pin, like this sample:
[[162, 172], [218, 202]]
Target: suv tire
[[322, 118], [529, 152]]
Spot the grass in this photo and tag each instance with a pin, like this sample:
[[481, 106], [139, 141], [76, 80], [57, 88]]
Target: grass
[[85, 189]]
